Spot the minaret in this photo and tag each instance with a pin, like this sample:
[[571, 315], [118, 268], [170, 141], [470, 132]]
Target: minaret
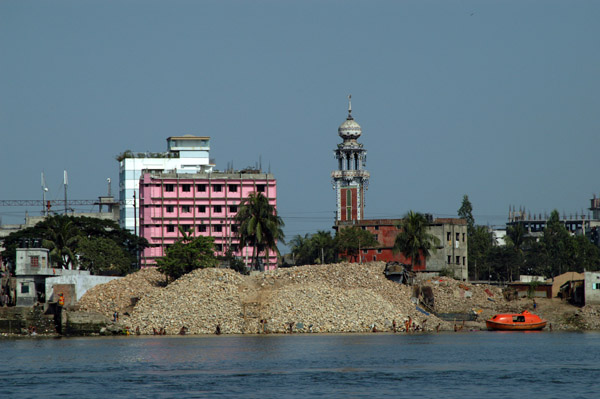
[[350, 180]]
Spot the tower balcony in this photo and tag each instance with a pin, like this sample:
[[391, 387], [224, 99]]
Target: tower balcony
[[350, 174]]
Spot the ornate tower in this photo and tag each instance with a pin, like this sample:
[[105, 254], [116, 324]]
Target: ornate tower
[[350, 180]]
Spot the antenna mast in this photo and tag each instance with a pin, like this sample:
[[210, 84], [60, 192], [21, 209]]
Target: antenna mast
[[66, 183]]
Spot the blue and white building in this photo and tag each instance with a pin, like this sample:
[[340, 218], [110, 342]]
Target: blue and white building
[[185, 154]]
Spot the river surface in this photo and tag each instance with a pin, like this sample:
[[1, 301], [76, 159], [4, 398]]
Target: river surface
[[445, 365]]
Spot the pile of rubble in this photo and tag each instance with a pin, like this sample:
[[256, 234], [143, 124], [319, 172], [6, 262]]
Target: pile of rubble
[[344, 297], [121, 295]]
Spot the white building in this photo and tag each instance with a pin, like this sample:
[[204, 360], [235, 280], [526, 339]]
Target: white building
[[186, 154]]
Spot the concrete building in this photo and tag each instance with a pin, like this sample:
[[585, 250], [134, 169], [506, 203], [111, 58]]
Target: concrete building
[[32, 270], [592, 288], [205, 203], [450, 256], [185, 154], [350, 180]]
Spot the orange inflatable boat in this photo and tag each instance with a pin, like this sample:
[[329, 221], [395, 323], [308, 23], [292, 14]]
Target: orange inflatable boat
[[516, 322]]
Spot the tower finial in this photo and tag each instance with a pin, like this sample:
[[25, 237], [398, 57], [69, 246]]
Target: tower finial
[[350, 106]]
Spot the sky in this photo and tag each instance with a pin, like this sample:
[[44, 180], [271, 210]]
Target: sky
[[497, 100]]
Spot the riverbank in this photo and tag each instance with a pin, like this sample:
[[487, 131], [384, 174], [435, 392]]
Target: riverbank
[[337, 298]]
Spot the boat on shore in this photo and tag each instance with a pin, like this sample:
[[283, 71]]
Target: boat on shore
[[525, 321]]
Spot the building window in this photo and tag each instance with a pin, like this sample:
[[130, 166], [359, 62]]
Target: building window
[[374, 258], [185, 209], [448, 237], [464, 261], [169, 188], [217, 228], [201, 208], [34, 261], [260, 188], [186, 188], [379, 251], [217, 188], [217, 209], [187, 228], [169, 208], [458, 260], [24, 288], [232, 208], [234, 228], [218, 247], [376, 237], [376, 227], [170, 229], [457, 236], [232, 188], [464, 237], [365, 251], [201, 187], [449, 259], [201, 228]]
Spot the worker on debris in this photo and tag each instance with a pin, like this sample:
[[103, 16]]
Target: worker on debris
[[61, 299]]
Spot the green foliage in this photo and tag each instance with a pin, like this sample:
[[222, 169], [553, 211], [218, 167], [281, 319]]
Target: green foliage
[[481, 243], [317, 248], [63, 234], [414, 239], [61, 239], [466, 212], [259, 226], [349, 241], [100, 255], [187, 254]]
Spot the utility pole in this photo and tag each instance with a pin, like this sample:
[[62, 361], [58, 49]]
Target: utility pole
[[66, 183]]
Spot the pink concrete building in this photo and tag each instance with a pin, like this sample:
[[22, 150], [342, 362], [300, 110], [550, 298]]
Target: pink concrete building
[[205, 203]]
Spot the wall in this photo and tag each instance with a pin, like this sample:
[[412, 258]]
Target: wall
[[559, 280], [592, 288], [82, 283]]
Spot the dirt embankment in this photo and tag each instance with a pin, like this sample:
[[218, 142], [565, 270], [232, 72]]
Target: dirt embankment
[[342, 297]]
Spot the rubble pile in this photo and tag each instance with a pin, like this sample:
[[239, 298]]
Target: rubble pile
[[199, 301], [452, 296], [343, 297], [121, 294]]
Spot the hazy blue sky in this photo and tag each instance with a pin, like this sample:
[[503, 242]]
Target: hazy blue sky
[[499, 100]]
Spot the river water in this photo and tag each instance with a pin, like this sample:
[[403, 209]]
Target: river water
[[445, 365]]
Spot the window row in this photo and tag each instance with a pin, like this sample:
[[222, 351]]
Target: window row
[[202, 228], [201, 208], [458, 258], [449, 236], [216, 188]]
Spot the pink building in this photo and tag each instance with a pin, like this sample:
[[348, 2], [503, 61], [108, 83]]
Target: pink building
[[205, 203]]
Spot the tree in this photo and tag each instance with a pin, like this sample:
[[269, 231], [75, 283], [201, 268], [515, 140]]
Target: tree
[[187, 254], [259, 226], [316, 248], [466, 212], [350, 240], [61, 239], [414, 239], [100, 255], [517, 239], [53, 231], [481, 242], [558, 245]]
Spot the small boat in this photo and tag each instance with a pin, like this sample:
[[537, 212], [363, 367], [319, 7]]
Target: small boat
[[525, 321]]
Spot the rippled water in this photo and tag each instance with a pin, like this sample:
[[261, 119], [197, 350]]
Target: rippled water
[[450, 365]]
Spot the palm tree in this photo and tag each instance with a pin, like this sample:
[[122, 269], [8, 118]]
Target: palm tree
[[259, 226], [415, 240], [62, 238]]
